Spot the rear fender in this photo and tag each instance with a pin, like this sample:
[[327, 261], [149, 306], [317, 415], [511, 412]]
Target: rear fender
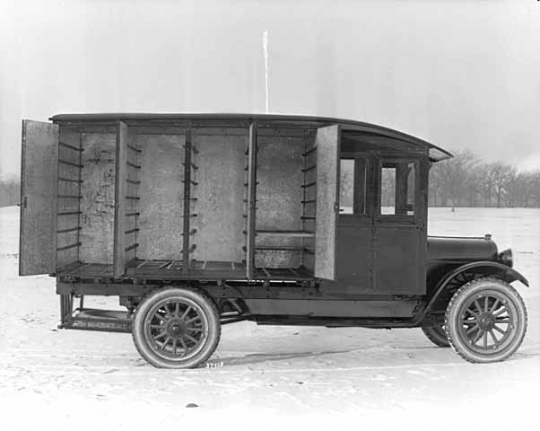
[[486, 268]]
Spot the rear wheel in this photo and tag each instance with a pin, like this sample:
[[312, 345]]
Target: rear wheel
[[437, 335], [486, 321], [176, 328]]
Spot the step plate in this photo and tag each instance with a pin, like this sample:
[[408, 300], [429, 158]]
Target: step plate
[[99, 320]]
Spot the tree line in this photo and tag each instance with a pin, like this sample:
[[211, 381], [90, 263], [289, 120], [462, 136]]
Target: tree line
[[467, 181]]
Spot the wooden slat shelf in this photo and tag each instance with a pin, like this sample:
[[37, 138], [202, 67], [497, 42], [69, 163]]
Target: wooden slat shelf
[[65, 162], [71, 147], [308, 152], [279, 247], [73, 229], [69, 180], [297, 233]]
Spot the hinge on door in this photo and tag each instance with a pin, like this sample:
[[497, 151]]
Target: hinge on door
[[25, 201]]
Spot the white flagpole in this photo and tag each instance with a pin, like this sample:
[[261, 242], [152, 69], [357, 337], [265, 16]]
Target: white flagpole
[[265, 51]]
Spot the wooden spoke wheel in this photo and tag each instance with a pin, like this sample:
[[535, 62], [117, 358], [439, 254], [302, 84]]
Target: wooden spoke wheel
[[486, 321], [176, 328], [437, 335]]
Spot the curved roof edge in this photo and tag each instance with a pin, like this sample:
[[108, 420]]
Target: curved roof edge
[[435, 153]]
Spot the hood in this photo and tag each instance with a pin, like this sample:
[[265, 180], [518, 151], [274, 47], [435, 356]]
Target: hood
[[461, 249]]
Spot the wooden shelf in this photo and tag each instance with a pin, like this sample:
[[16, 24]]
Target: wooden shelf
[[279, 247], [297, 233]]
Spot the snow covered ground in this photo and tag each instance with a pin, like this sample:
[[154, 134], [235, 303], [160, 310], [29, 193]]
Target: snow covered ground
[[265, 377]]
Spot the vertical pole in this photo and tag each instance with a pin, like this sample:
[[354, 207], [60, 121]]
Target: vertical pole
[[187, 201], [252, 201], [119, 258]]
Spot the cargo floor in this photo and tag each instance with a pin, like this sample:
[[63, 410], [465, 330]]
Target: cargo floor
[[174, 269]]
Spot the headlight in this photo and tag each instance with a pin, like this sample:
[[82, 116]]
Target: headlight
[[506, 258]]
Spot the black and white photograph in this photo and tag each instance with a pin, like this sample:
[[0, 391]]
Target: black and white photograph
[[234, 214]]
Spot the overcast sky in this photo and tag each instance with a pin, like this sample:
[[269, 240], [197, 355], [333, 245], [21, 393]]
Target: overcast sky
[[460, 74]]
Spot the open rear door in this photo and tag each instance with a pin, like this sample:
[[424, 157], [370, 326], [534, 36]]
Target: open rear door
[[327, 142], [39, 170]]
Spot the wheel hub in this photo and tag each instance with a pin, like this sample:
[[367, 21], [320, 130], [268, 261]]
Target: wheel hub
[[176, 328], [486, 321]]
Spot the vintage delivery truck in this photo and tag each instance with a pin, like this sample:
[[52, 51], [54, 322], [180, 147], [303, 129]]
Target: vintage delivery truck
[[198, 220]]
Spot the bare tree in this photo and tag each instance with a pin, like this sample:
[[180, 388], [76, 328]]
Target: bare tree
[[485, 178], [535, 189], [501, 176], [518, 189]]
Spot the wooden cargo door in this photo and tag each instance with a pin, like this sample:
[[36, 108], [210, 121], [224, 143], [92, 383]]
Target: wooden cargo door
[[39, 170], [327, 142]]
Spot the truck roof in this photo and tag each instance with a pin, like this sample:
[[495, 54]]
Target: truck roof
[[350, 128]]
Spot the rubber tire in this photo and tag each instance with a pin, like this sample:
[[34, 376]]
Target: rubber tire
[[437, 335], [146, 349], [474, 288]]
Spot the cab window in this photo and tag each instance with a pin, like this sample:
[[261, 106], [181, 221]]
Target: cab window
[[397, 188]]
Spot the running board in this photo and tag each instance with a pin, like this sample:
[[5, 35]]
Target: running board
[[91, 319]]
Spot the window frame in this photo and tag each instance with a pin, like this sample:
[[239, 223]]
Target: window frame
[[403, 218], [367, 163]]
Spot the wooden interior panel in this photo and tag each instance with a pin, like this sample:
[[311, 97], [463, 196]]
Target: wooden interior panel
[[279, 188], [279, 200], [67, 255], [327, 142], [219, 193], [289, 254], [37, 253], [97, 203], [161, 191]]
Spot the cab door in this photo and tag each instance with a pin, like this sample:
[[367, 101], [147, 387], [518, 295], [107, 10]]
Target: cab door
[[399, 234], [39, 167]]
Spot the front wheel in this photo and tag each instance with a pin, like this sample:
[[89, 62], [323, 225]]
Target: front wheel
[[176, 328], [437, 335], [486, 321]]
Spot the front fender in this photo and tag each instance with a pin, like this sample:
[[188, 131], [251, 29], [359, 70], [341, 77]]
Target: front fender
[[488, 268], [491, 269]]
